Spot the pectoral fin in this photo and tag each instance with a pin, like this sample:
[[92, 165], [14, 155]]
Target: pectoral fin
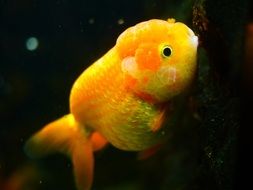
[[67, 136], [98, 141], [149, 152]]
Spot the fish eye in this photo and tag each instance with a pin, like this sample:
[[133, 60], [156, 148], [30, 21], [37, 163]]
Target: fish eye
[[166, 51]]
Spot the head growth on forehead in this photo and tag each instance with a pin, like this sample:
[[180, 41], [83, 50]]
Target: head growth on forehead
[[152, 31], [130, 39], [159, 56]]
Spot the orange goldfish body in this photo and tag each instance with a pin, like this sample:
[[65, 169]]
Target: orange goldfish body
[[124, 98]]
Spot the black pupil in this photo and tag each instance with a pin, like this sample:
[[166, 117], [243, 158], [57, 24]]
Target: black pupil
[[166, 51]]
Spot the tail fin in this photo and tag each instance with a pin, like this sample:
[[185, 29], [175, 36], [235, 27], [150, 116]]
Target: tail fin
[[66, 136]]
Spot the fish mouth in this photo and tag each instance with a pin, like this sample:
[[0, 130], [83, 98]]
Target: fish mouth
[[195, 40]]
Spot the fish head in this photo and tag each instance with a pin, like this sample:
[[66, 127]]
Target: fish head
[[158, 58]]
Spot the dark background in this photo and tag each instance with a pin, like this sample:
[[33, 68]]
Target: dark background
[[35, 86]]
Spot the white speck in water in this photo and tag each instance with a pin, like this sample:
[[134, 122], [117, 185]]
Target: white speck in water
[[121, 21], [81, 26], [91, 21], [40, 181], [32, 43]]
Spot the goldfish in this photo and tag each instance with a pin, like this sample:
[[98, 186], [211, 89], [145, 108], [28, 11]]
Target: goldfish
[[125, 98]]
